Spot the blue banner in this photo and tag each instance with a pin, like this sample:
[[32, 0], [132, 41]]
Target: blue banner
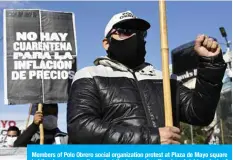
[[128, 152]]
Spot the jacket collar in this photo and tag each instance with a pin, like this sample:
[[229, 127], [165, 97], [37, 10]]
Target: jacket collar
[[144, 69]]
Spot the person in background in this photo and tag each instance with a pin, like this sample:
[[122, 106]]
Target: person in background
[[52, 134], [12, 133]]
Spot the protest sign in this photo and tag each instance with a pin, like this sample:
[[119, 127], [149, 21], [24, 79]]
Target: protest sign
[[13, 153], [39, 56]]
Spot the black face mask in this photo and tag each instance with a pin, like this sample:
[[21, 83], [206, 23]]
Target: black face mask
[[130, 52]]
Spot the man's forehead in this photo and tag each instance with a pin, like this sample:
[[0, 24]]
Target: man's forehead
[[11, 132]]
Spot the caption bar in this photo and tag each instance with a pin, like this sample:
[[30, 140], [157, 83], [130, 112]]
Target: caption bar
[[127, 152]]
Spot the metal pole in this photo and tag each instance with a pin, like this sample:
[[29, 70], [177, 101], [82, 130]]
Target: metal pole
[[191, 130], [222, 133]]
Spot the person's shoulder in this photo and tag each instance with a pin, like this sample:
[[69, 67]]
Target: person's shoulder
[[151, 69], [60, 133], [159, 73], [89, 72], [83, 73]]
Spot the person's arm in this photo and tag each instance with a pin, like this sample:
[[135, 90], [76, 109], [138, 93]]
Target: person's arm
[[85, 124], [26, 136], [198, 106]]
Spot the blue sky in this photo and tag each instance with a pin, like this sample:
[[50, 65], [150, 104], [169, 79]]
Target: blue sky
[[185, 21]]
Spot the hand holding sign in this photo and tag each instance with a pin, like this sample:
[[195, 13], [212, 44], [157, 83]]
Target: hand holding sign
[[38, 118]]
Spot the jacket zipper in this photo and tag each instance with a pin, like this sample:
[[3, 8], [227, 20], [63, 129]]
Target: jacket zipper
[[143, 102], [149, 121]]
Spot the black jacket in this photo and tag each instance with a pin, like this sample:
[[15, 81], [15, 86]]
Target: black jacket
[[110, 103], [32, 136]]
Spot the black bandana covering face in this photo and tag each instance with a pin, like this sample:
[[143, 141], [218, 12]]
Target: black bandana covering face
[[130, 52]]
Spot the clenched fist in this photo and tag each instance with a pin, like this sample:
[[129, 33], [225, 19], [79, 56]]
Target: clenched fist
[[38, 118], [169, 135], [206, 47]]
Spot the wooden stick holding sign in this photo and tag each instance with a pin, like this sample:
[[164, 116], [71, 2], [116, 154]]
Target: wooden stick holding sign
[[165, 64], [40, 107]]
